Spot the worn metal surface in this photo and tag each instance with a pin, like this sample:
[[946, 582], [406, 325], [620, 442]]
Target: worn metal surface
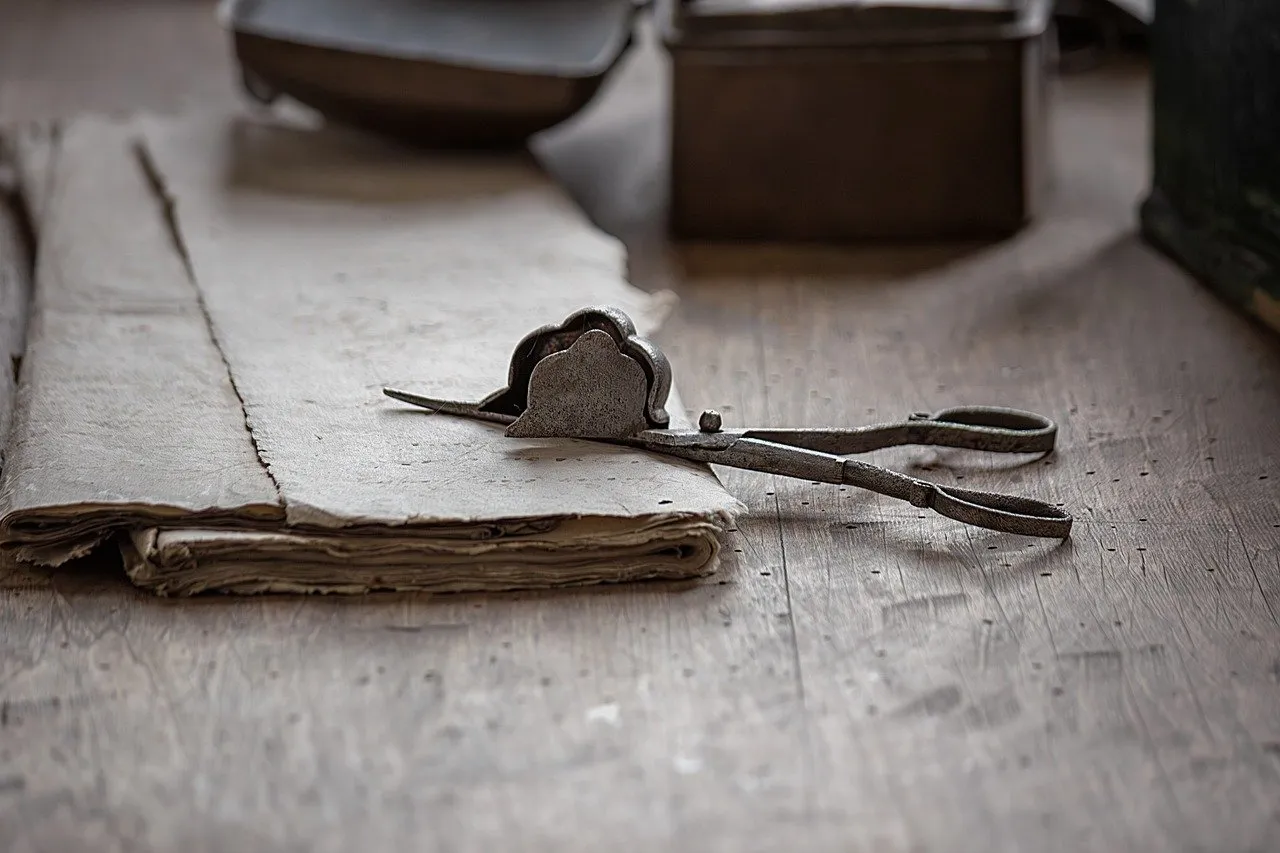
[[592, 377], [557, 337], [856, 123], [590, 390], [443, 73]]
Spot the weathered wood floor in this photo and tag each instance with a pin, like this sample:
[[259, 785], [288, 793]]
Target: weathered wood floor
[[855, 678]]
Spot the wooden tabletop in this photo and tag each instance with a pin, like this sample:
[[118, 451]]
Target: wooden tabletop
[[855, 677]]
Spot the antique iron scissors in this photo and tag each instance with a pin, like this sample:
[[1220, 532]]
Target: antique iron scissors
[[592, 377]]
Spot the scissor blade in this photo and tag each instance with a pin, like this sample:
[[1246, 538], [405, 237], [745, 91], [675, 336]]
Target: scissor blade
[[448, 407]]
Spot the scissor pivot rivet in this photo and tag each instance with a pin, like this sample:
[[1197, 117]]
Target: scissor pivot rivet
[[710, 421]]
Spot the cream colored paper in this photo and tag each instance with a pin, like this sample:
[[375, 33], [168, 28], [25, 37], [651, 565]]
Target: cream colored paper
[[123, 401], [190, 266]]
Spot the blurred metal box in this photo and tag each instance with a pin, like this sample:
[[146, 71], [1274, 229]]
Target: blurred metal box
[[838, 121]]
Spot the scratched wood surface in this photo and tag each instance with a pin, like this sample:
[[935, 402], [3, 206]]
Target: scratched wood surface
[[855, 678]]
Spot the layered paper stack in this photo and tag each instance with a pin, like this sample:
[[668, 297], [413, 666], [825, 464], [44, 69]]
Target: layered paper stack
[[218, 305]]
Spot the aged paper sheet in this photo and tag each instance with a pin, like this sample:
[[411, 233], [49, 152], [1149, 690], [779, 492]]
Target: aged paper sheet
[[218, 304]]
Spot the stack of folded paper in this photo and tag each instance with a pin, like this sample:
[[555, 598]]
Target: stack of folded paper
[[218, 305]]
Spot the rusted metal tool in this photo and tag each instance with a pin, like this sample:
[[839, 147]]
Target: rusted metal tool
[[592, 377]]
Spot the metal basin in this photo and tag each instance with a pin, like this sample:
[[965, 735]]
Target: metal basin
[[443, 73]]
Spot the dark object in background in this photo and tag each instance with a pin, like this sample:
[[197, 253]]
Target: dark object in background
[[853, 123], [1090, 30], [1215, 200], [452, 73]]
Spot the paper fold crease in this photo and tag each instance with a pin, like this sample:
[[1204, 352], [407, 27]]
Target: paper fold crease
[[218, 305]]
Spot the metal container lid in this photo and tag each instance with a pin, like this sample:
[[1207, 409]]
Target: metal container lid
[[780, 23]]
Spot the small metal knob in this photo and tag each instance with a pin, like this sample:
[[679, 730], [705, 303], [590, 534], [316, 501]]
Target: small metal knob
[[709, 421]]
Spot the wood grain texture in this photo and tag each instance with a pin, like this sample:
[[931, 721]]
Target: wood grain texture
[[62, 57], [856, 678], [1215, 198]]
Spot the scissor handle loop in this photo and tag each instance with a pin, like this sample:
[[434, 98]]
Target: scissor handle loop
[[990, 428], [1005, 513]]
